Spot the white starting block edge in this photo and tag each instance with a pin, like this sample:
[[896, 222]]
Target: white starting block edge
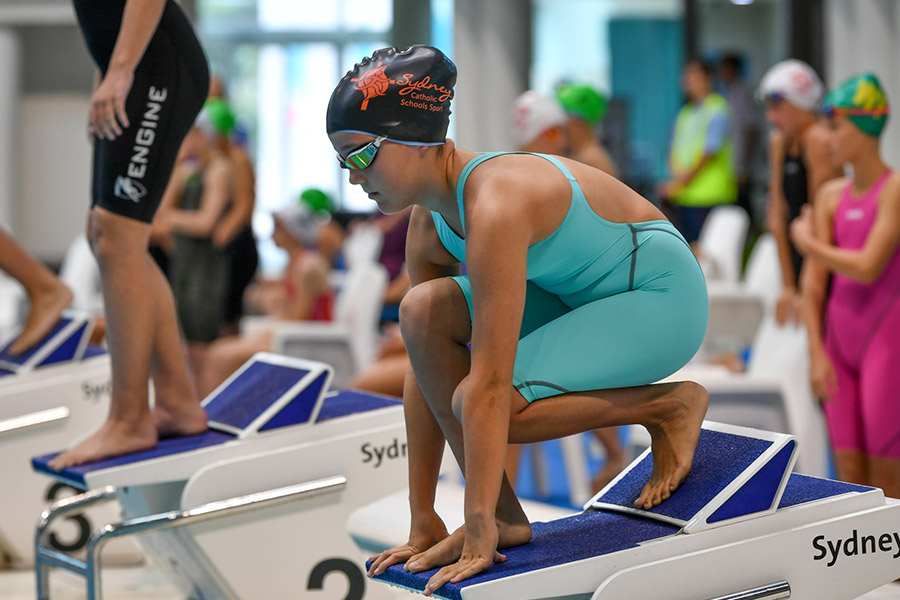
[[701, 520], [177, 459], [316, 371], [78, 329]]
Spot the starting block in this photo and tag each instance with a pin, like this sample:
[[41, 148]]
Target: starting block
[[54, 393], [256, 507], [740, 526], [66, 342]]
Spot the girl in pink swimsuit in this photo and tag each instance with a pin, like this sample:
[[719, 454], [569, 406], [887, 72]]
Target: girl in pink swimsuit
[[853, 235]]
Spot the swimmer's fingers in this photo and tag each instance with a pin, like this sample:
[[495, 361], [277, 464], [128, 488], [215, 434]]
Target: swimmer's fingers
[[120, 110], [392, 556]]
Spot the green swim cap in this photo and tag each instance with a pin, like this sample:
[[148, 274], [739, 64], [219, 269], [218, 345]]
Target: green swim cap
[[583, 101], [220, 115], [862, 100], [317, 200]]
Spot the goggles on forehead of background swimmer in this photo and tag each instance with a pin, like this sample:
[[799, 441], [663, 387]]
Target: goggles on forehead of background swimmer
[[773, 97], [853, 111]]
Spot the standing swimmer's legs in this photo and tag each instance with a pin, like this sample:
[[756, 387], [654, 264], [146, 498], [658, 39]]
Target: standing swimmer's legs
[[176, 408], [136, 335], [47, 295]]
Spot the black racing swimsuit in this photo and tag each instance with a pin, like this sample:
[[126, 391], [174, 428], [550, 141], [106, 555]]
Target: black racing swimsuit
[[795, 185], [170, 86]]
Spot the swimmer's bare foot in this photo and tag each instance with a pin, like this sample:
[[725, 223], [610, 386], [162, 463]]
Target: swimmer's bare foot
[[450, 549], [114, 438], [45, 306], [185, 418], [673, 441]]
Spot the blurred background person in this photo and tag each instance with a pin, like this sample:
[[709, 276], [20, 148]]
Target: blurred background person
[[799, 164], [233, 233], [745, 119], [700, 157], [304, 293], [585, 106], [539, 125], [47, 295], [198, 195], [853, 233]]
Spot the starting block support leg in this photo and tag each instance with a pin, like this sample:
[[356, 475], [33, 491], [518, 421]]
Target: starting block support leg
[[45, 556], [90, 568]]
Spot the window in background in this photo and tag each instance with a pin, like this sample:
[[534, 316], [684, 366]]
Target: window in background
[[632, 50], [281, 59]]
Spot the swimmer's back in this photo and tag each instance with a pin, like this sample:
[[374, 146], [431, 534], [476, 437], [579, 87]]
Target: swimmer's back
[[534, 184]]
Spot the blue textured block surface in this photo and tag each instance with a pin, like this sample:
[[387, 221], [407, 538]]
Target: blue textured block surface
[[719, 459], [92, 351], [595, 534], [299, 409], [758, 493], [351, 402], [18, 359], [68, 349], [251, 393], [554, 543], [165, 447], [803, 488]]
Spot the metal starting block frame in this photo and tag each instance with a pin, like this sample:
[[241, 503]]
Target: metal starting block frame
[[220, 513]]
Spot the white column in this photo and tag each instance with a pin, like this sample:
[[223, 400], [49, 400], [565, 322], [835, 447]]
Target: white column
[[9, 101], [492, 50]]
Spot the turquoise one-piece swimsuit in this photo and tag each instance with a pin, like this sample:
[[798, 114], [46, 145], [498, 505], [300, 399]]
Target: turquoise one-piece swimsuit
[[608, 305]]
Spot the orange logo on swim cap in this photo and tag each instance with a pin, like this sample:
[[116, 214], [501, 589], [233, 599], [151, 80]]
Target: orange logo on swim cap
[[372, 84]]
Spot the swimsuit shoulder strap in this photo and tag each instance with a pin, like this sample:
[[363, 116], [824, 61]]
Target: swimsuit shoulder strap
[[470, 166]]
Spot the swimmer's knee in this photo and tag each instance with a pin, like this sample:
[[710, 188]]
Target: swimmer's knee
[[428, 306], [459, 398]]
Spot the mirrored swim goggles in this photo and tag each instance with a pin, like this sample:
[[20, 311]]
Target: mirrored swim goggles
[[363, 156]]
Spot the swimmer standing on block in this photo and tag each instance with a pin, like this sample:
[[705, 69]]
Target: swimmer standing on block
[[579, 295], [152, 80]]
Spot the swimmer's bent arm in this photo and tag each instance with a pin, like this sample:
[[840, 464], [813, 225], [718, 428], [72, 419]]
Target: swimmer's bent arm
[[867, 263], [813, 289], [426, 259], [139, 22], [496, 255]]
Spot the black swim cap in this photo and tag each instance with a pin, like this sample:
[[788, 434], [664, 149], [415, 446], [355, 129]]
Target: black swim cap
[[404, 96]]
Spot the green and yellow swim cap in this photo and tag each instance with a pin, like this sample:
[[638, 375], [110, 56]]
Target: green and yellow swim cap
[[583, 101], [862, 100]]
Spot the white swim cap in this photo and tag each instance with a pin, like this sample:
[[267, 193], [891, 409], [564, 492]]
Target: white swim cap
[[792, 80], [534, 114], [299, 222]]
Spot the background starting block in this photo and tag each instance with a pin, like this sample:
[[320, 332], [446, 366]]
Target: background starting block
[[717, 535], [231, 513], [67, 341]]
